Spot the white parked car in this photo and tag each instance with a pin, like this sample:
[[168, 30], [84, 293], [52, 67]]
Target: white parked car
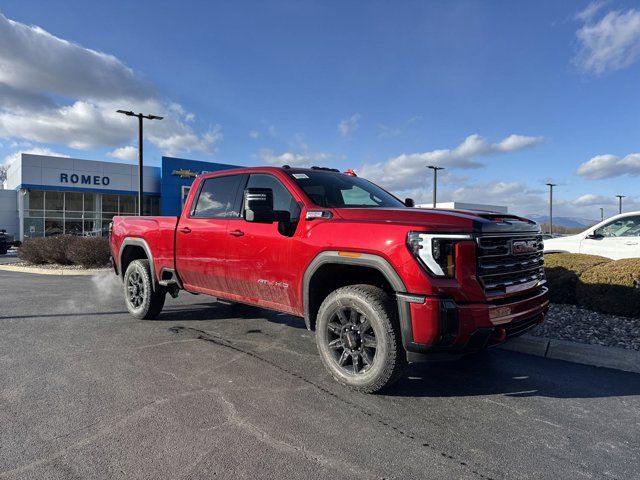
[[616, 237]]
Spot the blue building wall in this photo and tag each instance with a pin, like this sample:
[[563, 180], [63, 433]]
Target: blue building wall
[[172, 182]]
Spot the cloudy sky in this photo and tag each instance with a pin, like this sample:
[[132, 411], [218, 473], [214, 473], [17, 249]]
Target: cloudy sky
[[505, 95]]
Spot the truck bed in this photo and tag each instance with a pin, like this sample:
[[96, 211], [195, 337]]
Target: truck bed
[[158, 233]]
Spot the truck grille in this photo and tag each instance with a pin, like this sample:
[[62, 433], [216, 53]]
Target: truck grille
[[506, 262]]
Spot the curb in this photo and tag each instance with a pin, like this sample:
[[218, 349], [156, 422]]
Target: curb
[[586, 354], [52, 271]]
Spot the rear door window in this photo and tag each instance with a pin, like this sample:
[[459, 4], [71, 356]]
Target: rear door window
[[218, 198]]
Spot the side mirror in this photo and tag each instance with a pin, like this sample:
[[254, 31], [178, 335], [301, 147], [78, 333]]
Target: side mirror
[[409, 202], [258, 205], [595, 236]]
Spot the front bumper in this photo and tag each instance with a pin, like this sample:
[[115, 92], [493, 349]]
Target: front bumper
[[434, 324]]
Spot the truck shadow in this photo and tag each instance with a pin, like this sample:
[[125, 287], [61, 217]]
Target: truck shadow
[[219, 311], [514, 375], [493, 372]]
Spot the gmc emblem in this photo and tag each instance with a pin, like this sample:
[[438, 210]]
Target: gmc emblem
[[524, 246]]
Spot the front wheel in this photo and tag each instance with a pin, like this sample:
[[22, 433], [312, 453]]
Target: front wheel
[[358, 338], [142, 300]]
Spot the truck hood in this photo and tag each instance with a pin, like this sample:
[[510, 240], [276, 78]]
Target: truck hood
[[468, 221]]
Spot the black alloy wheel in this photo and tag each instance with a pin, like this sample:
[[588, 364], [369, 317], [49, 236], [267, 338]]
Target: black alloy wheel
[[136, 289], [352, 340]]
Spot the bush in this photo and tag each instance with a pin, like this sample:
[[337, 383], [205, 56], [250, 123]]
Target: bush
[[66, 250], [31, 251], [55, 249], [90, 252], [563, 271], [612, 287]]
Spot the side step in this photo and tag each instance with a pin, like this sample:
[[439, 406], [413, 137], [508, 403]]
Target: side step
[[170, 280]]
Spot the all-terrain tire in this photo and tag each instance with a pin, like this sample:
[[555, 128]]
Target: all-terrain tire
[[372, 304], [142, 300]]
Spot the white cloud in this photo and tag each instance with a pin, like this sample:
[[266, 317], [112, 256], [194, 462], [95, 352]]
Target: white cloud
[[349, 125], [385, 131], [591, 199], [125, 153], [608, 166], [408, 171], [254, 134], [591, 10], [174, 139], [56, 91], [610, 43], [12, 157], [302, 159]]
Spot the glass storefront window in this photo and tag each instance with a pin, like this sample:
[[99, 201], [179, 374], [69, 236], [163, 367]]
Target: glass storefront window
[[75, 213], [92, 227], [54, 201], [127, 205], [33, 227], [73, 227], [73, 202], [89, 202], [34, 200], [53, 227], [151, 205], [110, 203]]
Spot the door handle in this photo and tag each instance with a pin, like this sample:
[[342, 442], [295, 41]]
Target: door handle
[[185, 230], [236, 233], [631, 243]]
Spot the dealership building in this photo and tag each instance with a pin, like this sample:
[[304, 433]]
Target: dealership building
[[46, 195]]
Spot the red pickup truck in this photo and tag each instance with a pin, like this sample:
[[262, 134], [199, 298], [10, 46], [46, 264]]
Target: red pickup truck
[[381, 283]]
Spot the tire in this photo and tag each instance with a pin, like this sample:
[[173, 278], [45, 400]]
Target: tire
[[142, 300], [375, 320]]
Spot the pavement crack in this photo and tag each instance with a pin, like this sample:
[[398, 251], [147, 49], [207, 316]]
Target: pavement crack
[[263, 436], [221, 341]]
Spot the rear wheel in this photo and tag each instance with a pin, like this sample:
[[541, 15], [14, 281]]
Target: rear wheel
[[142, 300], [358, 338]]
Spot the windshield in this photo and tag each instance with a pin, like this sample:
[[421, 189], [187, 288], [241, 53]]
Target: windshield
[[336, 190]]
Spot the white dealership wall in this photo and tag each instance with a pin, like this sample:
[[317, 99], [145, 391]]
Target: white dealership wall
[[42, 172], [74, 174], [466, 206], [9, 220]]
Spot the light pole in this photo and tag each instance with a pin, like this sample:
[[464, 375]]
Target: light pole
[[551, 185], [140, 116], [620, 197], [601, 214], [435, 181]]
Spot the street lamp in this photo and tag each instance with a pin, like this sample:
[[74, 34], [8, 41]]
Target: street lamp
[[620, 197], [140, 116], [435, 181], [551, 185]]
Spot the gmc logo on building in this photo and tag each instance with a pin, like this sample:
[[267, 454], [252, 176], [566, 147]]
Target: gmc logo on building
[[84, 179], [524, 246]]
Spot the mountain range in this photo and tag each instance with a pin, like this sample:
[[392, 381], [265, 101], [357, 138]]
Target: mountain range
[[570, 222]]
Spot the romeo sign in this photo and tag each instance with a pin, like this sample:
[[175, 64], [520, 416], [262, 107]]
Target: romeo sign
[[84, 179]]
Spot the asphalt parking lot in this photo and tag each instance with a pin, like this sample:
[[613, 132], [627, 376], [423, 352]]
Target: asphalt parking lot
[[10, 257], [215, 391]]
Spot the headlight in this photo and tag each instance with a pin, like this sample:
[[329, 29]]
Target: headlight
[[437, 252]]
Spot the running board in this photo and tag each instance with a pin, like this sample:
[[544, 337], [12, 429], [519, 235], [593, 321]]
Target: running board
[[170, 280]]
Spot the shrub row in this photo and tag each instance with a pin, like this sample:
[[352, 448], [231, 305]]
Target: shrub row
[[597, 283], [89, 252]]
